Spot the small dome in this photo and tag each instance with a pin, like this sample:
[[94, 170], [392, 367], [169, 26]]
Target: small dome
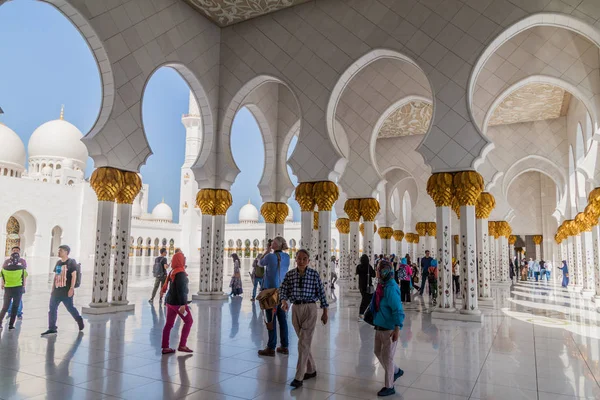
[[12, 151], [248, 214], [162, 212], [290, 217], [58, 139]]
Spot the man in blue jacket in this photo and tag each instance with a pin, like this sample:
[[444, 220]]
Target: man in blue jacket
[[276, 265]]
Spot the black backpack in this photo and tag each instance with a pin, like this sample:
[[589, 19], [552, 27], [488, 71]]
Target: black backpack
[[158, 270], [78, 280]]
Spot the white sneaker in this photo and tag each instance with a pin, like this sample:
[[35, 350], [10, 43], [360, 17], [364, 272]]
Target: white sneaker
[[360, 318]]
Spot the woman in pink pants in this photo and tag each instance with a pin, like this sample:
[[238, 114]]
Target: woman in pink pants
[[176, 302]]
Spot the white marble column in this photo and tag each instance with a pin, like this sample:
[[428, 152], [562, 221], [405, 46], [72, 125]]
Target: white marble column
[[270, 231], [344, 254], [492, 253], [353, 253], [306, 230], [324, 249], [432, 245], [121, 264], [368, 237], [206, 239], [104, 227], [468, 238], [596, 247], [589, 287], [217, 261], [505, 259], [578, 252], [444, 251], [279, 230], [571, 259], [483, 259], [385, 246], [314, 244]]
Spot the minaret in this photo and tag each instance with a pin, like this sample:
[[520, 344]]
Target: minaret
[[189, 216]]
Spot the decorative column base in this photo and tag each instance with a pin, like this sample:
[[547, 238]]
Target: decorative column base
[[588, 293], [219, 296], [202, 296], [458, 316], [109, 309], [353, 292]]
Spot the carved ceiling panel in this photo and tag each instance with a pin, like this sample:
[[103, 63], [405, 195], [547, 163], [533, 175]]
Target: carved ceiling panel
[[228, 12], [534, 102], [413, 118]]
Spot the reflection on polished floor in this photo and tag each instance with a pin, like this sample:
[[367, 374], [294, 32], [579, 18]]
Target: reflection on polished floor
[[538, 342]]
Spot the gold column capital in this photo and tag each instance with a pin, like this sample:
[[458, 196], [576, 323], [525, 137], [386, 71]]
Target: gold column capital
[[468, 185], [282, 213], [537, 239], [325, 194], [455, 207], [492, 229], [421, 228], [343, 225], [352, 209], [485, 205], [205, 200], [304, 196], [386, 232], [369, 208], [455, 238], [132, 184], [431, 228], [594, 196], [440, 188], [503, 229], [223, 201], [512, 239], [592, 213], [398, 235], [582, 222], [107, 182]]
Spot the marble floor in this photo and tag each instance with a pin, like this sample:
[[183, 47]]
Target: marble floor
[[537, 342]]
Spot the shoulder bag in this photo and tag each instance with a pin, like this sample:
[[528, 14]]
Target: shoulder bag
[[269, 298]]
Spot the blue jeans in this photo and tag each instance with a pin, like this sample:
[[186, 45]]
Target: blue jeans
[[257, 281], [280, 316], [547, 275], [537, 275], [19, 311], [55, 301]]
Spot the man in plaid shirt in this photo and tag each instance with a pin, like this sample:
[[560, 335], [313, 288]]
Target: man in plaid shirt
[[302, 287]]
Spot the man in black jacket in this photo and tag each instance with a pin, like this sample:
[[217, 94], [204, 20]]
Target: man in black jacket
[[160, 273], [425, 264]]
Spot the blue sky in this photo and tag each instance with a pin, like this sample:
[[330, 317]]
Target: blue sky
[[46, 63]]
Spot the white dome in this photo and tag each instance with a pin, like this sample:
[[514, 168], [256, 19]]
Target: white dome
[[248, 214], [58, 139], [162, 212], [12, 150], [290, 217]]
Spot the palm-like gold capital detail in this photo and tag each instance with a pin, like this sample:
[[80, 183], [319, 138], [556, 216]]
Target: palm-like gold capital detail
[[107, 182]]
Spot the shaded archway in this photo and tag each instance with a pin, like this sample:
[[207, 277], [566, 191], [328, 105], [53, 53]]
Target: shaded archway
[[20, 229], [57, 233]]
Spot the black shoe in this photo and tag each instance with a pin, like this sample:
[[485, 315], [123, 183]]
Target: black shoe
[[296, 383], [11, 327], [398, 374], [50, 332], [80, 323], [309, 376], [386, 392], [151, 301]]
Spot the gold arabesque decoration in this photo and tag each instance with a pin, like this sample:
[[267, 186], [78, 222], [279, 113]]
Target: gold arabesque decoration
[[132, 184], [386, 232], [398, 235], [485, 205], [455, 238], [325, 194], [468, 185], [369, 208], [315, 220], [304, 196], [352, 209], [455, 207], [205, 200], [223, 201], [343, 225], [107, 182]]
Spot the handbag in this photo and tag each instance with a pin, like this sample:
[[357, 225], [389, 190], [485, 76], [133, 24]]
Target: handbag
[[369, 315], [268, 299]]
